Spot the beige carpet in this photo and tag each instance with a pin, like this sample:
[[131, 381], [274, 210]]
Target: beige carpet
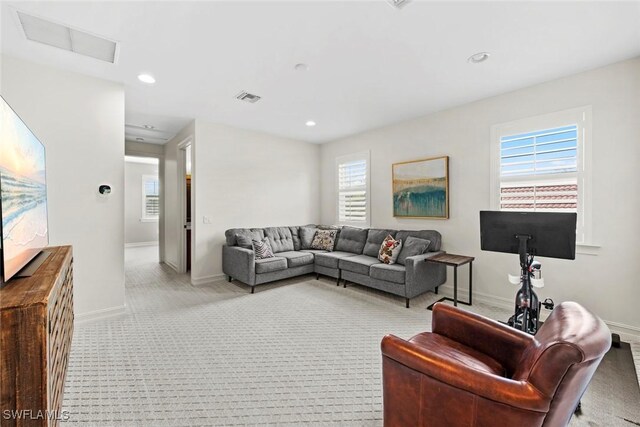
[[298, 352]]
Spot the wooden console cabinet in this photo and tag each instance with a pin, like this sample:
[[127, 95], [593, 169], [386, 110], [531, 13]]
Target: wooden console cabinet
[[36, 321]]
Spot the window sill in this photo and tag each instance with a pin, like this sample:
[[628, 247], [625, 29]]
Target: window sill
[[148, 219], [587, 249]]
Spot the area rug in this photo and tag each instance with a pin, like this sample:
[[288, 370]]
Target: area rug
[[297, 352]]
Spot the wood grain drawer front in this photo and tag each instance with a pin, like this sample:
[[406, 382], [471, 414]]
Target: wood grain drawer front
[[35, 339], [60, 327]]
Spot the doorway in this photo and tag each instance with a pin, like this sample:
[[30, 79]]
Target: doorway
[[186, 205], [142, 207]]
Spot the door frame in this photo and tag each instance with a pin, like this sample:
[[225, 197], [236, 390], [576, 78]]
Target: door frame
[[161, 219], [182, 199]]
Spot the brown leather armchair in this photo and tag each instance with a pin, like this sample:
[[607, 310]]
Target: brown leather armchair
[[473, 371]]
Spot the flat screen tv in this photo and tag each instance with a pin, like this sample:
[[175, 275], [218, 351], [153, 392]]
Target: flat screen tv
[[551, 234], [23, 193]]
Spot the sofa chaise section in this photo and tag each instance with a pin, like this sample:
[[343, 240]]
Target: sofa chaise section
[[239, 262], [413, 278]]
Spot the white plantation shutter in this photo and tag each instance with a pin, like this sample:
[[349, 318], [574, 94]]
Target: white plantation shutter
[[150, 197], [539, 170], [353, 197], [543, 164]]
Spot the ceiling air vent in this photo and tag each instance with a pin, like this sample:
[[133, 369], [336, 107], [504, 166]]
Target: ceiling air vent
[[398, 4], [248, 97], [67, 38]]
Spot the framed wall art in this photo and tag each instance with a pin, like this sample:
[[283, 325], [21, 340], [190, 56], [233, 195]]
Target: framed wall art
[[421, 188]]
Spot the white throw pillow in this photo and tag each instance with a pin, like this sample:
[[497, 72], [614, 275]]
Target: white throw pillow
[[389, 250], [262, 249]]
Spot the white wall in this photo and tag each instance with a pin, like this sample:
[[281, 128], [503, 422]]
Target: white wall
[[137, 231], [241, 179], [607, 282], [80, 120]]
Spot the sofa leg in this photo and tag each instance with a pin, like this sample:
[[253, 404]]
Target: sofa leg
[[338, 281], [436, 290], [317, 276], [407, 302], [253, 288], [345, 283], [230, 279]]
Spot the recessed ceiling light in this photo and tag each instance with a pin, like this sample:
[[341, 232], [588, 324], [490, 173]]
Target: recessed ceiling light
[[478, 57], [310, 123], [139, 139], [148, 126], [301, 67], [146, 78]]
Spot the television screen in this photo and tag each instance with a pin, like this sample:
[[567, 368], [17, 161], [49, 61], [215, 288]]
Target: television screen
[[23, 193], [553, 234]]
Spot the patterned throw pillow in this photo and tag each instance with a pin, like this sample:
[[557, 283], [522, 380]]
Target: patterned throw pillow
[[389, 250], [262, 248], [324, 240]]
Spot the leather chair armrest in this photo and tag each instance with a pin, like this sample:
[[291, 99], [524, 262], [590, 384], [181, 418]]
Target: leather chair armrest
[[499, 341], [430, 362]]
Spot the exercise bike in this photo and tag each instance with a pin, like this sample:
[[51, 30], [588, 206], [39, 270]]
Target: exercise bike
[[526, 315]]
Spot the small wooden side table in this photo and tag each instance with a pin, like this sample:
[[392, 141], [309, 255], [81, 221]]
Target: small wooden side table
[[454, 261]]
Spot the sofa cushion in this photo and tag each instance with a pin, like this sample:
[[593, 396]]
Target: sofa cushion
[[251, 234], [324, 239], [389, 250], [295, 235], [388, 272], [262, 249], [375, 237], [296, 259], [358, 264], [280, 238], [352, 240], [330, 259], [431, 235], [306, 236], [411, 247], [314, 251], [268, 265]]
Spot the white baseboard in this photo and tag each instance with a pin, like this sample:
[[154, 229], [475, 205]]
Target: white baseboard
[[628, 333], [140, 244], [172, 265], [199, 281], [100, 314]]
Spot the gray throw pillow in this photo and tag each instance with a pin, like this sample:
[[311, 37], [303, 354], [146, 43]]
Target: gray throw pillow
[[412, 246], [244, 241], [306, 236]]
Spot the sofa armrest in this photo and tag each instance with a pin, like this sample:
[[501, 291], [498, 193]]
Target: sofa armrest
[[501, 342], [431, 362], [423, 276], [239, 263]]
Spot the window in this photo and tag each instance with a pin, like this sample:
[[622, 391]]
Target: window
[[353, 189], [541, 164], [150, 197]]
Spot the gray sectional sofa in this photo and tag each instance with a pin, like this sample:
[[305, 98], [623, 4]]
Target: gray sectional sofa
[[354, 258]]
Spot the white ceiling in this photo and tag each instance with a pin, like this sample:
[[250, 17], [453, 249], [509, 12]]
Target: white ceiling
[[369, 64]]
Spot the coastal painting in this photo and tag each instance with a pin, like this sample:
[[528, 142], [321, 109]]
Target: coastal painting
[[23, 192], [421, 188]]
